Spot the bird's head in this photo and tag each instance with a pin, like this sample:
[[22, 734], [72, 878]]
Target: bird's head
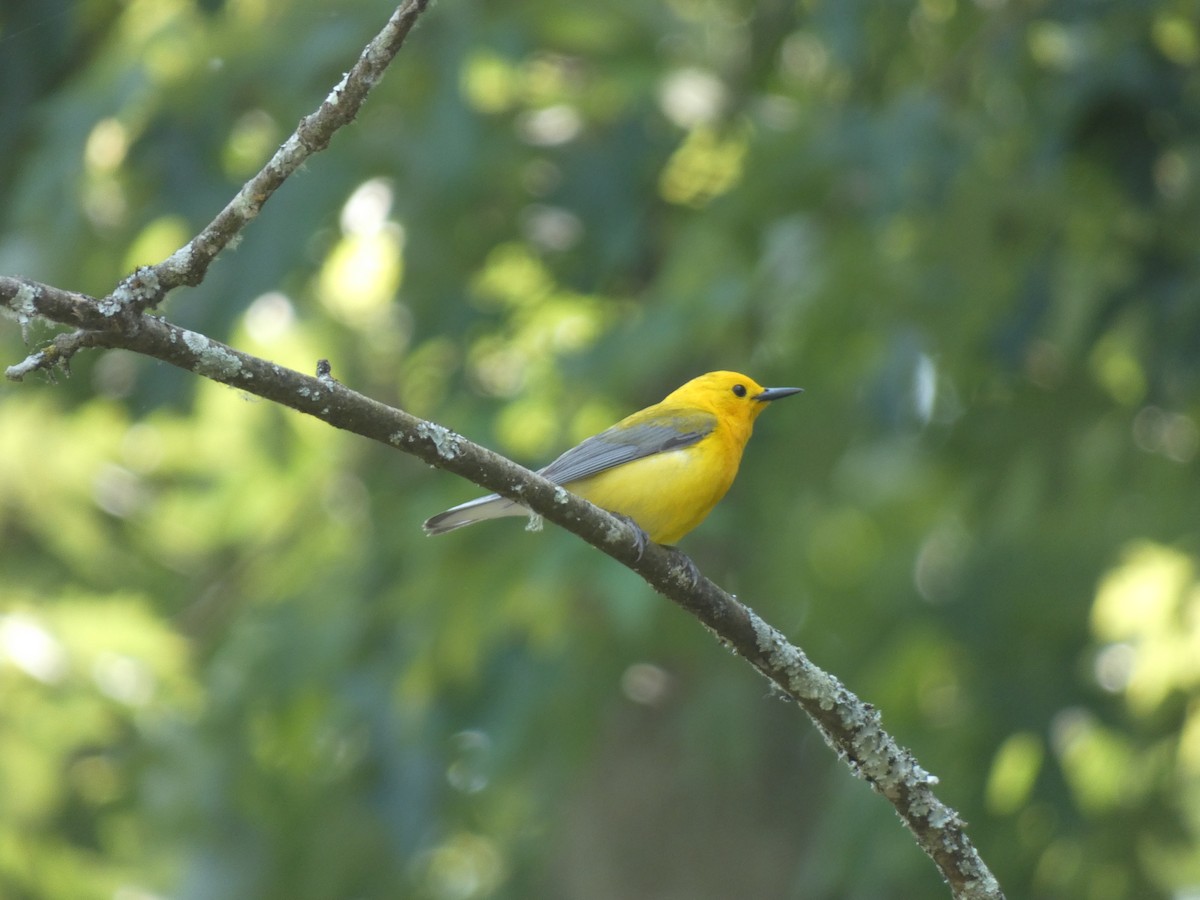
[[728, 394]]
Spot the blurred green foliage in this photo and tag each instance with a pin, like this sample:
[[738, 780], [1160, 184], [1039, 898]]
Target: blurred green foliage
[[231, 665]]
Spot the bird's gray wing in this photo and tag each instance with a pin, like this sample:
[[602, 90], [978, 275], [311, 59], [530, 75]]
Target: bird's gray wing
[[627, 441]]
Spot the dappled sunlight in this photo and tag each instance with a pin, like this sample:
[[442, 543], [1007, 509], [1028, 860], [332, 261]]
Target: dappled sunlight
[[272, 326], [939, 570], [103, 196], [692, 97], [804, 58], [366, 210], [85, 679], [144, 21], [1149, 605], [1015, 769], [513, 277], [1100, 764], [1117, 369], [530, 427], [48, 486], [106, 146], [543, 89], [1172, 434], [269, 318], [1146, 618], [491, 83], [463, 867], [1177, 37], [27, 645], [157, 240], [544, 323], [252, 139], [362, 273], [550, 126], [361, 276], [551, 228], [705, 166], [232, 664], [469, 768], [1056, 45]]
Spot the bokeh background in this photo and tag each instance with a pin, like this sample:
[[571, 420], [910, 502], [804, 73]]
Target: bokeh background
[[231, 665]]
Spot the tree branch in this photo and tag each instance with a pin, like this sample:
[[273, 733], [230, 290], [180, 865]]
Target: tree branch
[[146, 287], [120, 320], [189, 263], [850, 726]]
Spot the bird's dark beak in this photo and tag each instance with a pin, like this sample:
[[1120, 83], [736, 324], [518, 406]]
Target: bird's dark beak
[[776, 393]]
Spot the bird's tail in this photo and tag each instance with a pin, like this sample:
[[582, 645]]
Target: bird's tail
[[493, 506]]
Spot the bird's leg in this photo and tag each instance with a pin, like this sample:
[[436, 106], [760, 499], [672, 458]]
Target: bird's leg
[[685, 567], [641, 540]]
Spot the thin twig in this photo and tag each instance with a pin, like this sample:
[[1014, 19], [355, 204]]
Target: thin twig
[[189, 263], [146, 287]]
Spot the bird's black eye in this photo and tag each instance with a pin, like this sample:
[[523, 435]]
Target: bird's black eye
[[739, 390]]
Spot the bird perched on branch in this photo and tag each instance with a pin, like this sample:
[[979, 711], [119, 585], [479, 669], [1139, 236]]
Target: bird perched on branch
[[664, 467]]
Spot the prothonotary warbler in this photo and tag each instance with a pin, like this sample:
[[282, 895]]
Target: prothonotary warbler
[[664, 467]]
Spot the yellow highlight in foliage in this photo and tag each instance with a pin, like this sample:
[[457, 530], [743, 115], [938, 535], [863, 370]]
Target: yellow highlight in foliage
[[1152, 602], [1060, 868], [493, 84], [546, 80], [490, 83], [248, 13], [1141, 594], [145, 19], [106, 146], [1052, 44], [1117, 370], [361, 276], [167, 36], [103, 194], [938, 11], [424, 373], [1099, 764], [158, 240], [1189, 740], [591, 417], [465, 865], [514, 276], [250, 142], [1176, 37], [1014, 771], [545, 322], [529, 427], [499, 365], [704, 166]]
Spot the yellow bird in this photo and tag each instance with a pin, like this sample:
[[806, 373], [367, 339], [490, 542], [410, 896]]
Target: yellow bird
[[664, 467]]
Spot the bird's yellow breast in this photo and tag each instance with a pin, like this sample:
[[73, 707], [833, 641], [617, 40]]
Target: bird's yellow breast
[[667, 494]]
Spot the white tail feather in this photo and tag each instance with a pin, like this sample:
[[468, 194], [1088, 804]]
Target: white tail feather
[[493, 506]]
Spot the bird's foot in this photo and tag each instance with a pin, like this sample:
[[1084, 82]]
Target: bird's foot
[[687, 569], [641, 540]]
